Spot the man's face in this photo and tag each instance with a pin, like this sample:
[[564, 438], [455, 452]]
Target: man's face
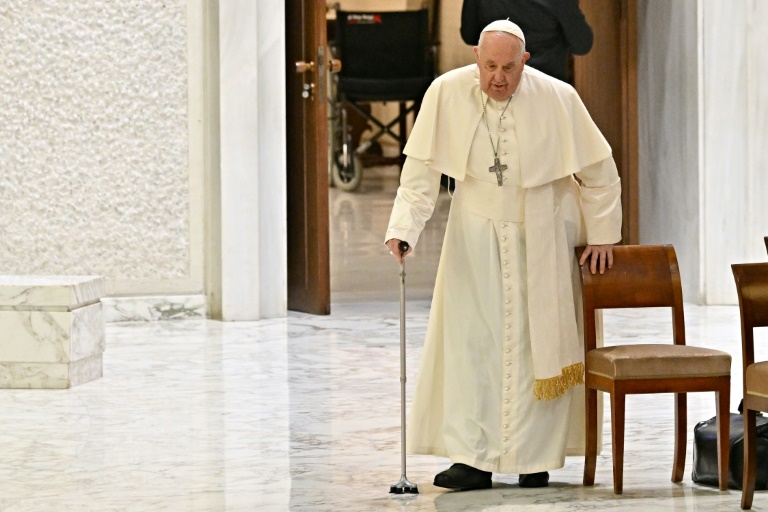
[[501, 63]]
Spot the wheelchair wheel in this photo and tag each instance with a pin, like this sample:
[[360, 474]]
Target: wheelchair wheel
[[346, 177]]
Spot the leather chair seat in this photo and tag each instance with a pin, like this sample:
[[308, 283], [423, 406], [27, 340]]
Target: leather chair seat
[[757, 379], [655, 361]]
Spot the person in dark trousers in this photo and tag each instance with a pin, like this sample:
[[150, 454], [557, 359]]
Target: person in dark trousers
[[551, 27]]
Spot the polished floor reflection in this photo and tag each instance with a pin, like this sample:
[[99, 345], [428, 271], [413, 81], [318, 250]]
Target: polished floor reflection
[[361, 267], [302, 413]]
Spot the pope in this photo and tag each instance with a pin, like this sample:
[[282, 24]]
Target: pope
[[499, 387]]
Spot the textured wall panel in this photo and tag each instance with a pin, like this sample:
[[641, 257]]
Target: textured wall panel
[[94, 145]]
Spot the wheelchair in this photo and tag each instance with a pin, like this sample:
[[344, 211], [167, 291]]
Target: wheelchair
[[385, 57]]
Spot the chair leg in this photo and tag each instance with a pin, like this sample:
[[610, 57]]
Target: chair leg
[[722, 399], [617, 426], [681, 425], [590, 453], [750, 465]]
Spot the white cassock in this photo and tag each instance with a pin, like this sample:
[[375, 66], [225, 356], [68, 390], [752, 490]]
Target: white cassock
[[498, 387]]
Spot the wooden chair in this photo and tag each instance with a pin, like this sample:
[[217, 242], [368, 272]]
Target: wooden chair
[[647, 276], [752, 287]]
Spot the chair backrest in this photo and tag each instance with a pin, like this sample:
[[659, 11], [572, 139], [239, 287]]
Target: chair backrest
[[752, 288], [642, 276], [384, 44]]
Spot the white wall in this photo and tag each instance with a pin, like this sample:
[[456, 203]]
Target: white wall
[[95, 176], [668, 122], [703, 108], [735, 140], [145, 141], [273, 228], [250, 262]]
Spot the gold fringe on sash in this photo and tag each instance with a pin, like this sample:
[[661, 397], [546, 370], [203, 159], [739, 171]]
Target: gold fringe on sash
[[555, 387]]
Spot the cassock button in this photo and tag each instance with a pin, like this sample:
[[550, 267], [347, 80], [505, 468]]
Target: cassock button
[[503, 225], [506, 275], [507, 313], [505, 452], [506, 414], [508, 363], [504, 238], [506, 263], [506, 376], [506, 426], [507, 327], [506, 401], [503, 129], [504, 251], [506, 388], [507, 301], [506, 439]]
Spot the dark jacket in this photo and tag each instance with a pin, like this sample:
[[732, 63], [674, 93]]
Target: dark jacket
[[551, 28]]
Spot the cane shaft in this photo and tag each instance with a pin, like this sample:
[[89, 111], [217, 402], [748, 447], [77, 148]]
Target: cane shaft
[[404, 486], [403, 377]]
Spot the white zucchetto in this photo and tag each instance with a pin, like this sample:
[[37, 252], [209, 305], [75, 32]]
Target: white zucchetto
[[505, 26]]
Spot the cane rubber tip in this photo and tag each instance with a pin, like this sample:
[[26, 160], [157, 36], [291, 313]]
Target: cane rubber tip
[[400, 489], [403, 247]]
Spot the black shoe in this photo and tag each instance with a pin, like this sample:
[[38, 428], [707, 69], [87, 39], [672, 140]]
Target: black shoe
[[534, 480], [463, 478]]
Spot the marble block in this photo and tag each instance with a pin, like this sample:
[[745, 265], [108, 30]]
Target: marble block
[[51, 331]]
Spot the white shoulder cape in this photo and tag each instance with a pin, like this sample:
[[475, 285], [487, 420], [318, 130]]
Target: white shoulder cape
[[451, 110]]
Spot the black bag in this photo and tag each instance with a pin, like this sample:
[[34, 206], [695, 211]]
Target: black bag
[[705, 453]]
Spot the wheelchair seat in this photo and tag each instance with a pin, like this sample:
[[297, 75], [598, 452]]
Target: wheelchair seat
[[385, 56]]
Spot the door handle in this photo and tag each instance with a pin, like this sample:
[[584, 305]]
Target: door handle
[[303, 67], [334, 66]]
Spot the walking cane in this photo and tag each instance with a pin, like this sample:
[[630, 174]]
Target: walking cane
[[404, 486]]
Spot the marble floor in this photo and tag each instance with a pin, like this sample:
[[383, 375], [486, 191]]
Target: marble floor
[[302, 413]]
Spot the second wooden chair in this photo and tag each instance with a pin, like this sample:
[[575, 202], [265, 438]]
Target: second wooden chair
[[752, 287]]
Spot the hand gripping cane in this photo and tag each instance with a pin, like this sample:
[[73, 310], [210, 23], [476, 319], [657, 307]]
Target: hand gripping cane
[[404, 486]]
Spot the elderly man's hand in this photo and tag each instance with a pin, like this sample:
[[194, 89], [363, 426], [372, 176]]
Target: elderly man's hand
[[392, 245], [602, 256]]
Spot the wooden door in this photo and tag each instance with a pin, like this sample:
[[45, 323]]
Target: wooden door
[[309, 287], [606, 79]]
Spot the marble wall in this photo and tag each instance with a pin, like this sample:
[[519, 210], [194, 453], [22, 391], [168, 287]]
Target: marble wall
[[251, 220], [668, 119], [95, 174], [703, 108], [735, 140], [272, 191]]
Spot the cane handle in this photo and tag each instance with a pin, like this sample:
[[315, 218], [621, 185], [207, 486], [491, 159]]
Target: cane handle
[[403, 247]]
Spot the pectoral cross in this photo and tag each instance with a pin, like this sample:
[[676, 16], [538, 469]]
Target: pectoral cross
[[498, 168]]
